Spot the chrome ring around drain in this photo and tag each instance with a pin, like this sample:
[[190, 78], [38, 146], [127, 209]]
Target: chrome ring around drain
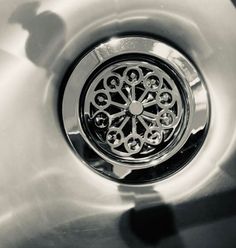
[[135, 109]]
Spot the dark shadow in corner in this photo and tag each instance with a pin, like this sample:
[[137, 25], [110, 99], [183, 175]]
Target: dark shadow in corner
[[234, 3], [46, 34], [149, 222], [152, 224]]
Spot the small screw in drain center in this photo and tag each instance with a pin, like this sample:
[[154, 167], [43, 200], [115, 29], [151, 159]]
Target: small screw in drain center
[[136, 108]]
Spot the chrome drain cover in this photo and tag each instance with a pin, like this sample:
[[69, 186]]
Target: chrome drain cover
[[135, 109]]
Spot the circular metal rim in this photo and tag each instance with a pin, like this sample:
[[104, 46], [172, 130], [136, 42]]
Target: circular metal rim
[[195, 90]]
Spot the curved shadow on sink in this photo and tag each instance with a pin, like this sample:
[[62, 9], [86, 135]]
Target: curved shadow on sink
[[47, 32], [150, 223]]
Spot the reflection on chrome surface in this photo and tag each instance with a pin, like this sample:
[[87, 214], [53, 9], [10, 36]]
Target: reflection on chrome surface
[[48, 197]]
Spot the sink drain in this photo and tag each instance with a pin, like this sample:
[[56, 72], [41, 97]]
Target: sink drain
[[135, 109]]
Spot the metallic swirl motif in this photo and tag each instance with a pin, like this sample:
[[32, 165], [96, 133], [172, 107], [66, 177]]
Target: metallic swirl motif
[[132, 109]]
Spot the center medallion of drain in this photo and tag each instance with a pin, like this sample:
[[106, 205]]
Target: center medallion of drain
[[136, 108]]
